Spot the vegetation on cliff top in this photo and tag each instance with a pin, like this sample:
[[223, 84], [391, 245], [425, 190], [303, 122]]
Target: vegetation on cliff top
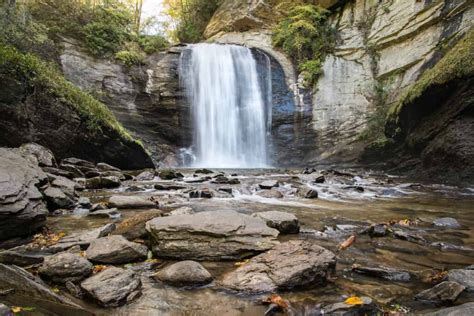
[[306, 35], [30, 71], [457, 63]]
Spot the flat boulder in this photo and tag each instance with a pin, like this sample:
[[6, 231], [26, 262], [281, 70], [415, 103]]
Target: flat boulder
[[446, 222], [43, 155], [100, 182], [443, 293], [181, 211], [365, 307], [293, 264], [145, 176], [112, 287], [112, 213], [115, 249], [57, 199], [130, 202], [22, 211], [211, 235], [102, 166], [285, 223], [64, 267], [169, 174], [270, 194], [184, 273], [267, 185]]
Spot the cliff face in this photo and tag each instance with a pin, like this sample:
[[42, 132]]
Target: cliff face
[[383, 47], [146, 99]]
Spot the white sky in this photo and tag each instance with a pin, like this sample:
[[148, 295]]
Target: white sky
[[153, 8]]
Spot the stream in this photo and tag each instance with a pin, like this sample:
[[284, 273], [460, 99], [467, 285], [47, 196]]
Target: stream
[[348, 203]]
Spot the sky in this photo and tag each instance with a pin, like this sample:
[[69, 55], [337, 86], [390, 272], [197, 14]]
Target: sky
[[153, 8]]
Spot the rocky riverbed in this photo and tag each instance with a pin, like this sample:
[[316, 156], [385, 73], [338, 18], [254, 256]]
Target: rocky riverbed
[[228, 242]]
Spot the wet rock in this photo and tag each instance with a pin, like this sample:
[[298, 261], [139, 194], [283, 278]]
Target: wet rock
[[118, 174], [43, 155], [134, 227], [460, 310], [102, 166], [145, 176], [74, 290], [444, 293], [181, 211], [408, 236], [78, 162], [82, 239], [58, 172], [296, 263], [270, 194], [203, 193], [320, 179], [22, 211], [5, 310], [111, 213], [23, 256], [308, 193], [75, 171], [204, 171], [366, 308], [379, 230], [224, 180], [66, 185], [84, 202], [115, 249], [184, 273], [446, 246], [130, 202], [464, 277], [169, 175], [92, 174], [55, 198], [267, 185], [168, 187], [308, 170], [211, 235], [285, 223], [111, 287], [64, 267], [226, 190], [383, 273], [31, 289], [102, 183], [392, 193], [197, 180], [446, 222]]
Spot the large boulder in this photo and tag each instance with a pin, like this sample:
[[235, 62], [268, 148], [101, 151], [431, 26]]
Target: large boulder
[[444, 293], [43, 155], [103, 182], [130, 202], [22, 211], [115, 249], [211, 235], [30, 289], [184, 273], [296, 263], [56, 198], [64, 267], [112, 287], [286, 223]]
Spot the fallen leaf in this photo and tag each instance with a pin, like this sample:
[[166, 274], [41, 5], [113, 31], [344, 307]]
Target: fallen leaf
[[16, 309], [55, 290], [277, 300], [98, 268], [354, 300], [347, 243]]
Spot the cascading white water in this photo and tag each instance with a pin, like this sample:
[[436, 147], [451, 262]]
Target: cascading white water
[[228, 107]]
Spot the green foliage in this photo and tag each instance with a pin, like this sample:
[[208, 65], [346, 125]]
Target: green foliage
[[191, 17], [129, 58], [457, 63], [45, 78], [306, 35], [152, 43]]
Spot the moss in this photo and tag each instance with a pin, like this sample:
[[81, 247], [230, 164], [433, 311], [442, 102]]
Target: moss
[[41, 76], [457, 63]]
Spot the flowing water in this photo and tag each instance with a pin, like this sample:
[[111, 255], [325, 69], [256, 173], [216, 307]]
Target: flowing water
[[346, 205], [228, 106]]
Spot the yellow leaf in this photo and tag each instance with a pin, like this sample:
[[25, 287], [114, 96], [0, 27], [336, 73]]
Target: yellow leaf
[[16, 309], [55, 290], [354, 300]]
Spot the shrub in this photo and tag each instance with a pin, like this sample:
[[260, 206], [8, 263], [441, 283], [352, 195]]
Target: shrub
[[306, 35], [152, 43], [129, 58]]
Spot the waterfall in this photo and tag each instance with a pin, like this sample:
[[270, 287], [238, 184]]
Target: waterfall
[[227, 106]]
